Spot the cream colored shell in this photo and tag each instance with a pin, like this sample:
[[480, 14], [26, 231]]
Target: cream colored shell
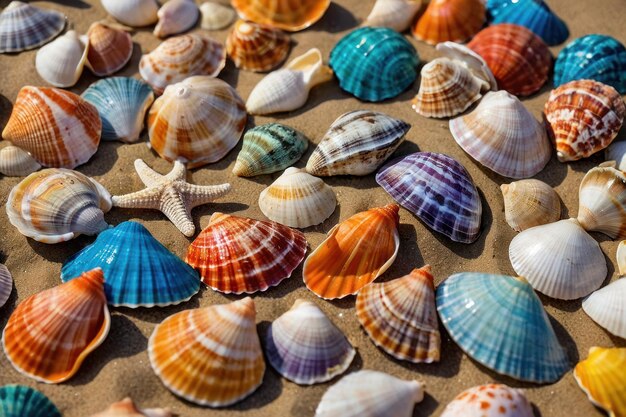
[[61, 62], [529, 203]]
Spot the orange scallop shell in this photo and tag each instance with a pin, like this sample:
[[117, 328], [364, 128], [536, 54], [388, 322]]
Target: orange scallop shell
[[450, 20], [109, 49], [288, 15], [255, 47]]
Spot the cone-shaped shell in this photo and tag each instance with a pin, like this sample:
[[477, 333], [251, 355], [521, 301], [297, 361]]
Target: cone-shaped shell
[[109, 49], [305, 347], [57, 127], [536, 16], [529, 203], [400, 316], [501, 134], [176, 16], [357, 143], [354, 254], [282, 14], [450, 20], [23, 26], [255, 47], [607, 307], [210, 356], [197, 121], [393, 14], [50, 333], [491, 400], [216, 16], [23, 401], [136, 13], [6, 284], [16, 162], [60, 63], [126, 408]]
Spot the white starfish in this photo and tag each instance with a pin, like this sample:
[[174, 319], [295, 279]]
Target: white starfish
[[171, 194]]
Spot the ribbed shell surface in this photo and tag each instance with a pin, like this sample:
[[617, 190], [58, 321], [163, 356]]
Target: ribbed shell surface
[[529, 203], [283, 14], [23, 401], [450, 20], [6, 284], [16, 162], [607, 307], [394, 14], [110, 49], [23, 26], [536, 16], [255, 47], [490, 400]]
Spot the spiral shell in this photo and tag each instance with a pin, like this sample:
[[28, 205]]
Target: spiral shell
[[16, 162], [283, 14], [450, 20], [393, 14], [216, 16], [176, 16], [259, 48], [23, 26], [21, 401], [109, 49], [61, 62], [491, 400], [529, 203], [136, 13]]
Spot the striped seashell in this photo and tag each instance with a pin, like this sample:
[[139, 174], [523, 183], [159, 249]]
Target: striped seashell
[[490, 400], [450, 20], [180, 57], [218, 357], [49, 335], [305, 347], [438, 190], [126, 408], [508, 141], [354, 253], [530, 203], [499, 321], [109, 49], [61, 62], [607, 306], [22, 401], [198, 121], [24, 26], [136, 13], [393, 14], [16, 162], [400, 316], [616, 151], [216, 16], [462, 55], [58, 128], [56, 205], [357, 143], [176, 16], [536, 16], [297, 199], [6, 284], [282, 14], [241, 255], [255, 47]]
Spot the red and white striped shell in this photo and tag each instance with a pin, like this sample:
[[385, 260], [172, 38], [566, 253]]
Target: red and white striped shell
[[255, 47]]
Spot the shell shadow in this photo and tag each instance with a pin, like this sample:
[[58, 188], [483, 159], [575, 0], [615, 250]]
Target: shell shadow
[[336, 19], [585, 164], [132, 67], [230, 74], [6, 107], [158, 314], [426, 407], [409, 256], [554, 172], [103, 160], [59, 256], [77, 4], [199, 212]]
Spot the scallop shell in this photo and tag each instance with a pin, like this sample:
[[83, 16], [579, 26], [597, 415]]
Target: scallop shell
[[23, 401], [210, 356], [16, 162], [374, 64], [198, 121], [176, 16], [616, 151], [371, 394], [297, 199], [109, 49], [400, 316], [259, 48], [305, 347], [500, 322], [536, 16], [354, 253], [450, 20], [529, 203], [216, 16], [283, 14], [50, 333], [58, 128], [357, 143], [180, 57], [61, 62], [126, 408], [438, 190], [23, 26], [394, 14], [502, 135], [6, 284], [607, 307], [136, 13], [490, 400]]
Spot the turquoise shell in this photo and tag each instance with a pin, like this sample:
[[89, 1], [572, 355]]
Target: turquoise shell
[[122, 103], [592, 57], [534, 15], [374, 64], [500, 322], [23, 401], [138, 270]]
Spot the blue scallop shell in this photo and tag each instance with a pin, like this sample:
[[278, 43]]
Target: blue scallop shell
[[536, 16], [592, 57], [374, 64], [495, 7], [138, 270], [122, 103], [23, 401], [499, 321]]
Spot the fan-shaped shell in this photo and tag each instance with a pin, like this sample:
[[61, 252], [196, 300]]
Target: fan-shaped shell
[[210, 356], [134, 13], [305, 347], [109, 49], [216, 16], [536, 16], [490, 400], [6, 284], [61, 62], [23, 26], [255, 47], [400, 316], [500, 322], [354, 253], [616, 151], [283, 14], [57, 127], [22, 401], [529, 203], [126, 408], [607, 307], [176, 16], [450, 20], [16, 162], [393, 14]]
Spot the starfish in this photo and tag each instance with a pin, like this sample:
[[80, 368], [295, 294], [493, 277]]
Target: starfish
[[171, 194]]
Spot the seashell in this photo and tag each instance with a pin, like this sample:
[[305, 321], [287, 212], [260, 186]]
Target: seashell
[[126, 408], [258, 48], [139, 271], [559, 259], [198, 121], [371, 394], [210, 356], [136, 13], [50, 333], [601, 376], [616, 151], [583, 117], [56, 205], [282, 14], [529, 203], [109, 49], [621, 258], [490, 400], [61, 62], [269, 148], [502, 135], [122, 103], [592, 57], [400, 316], [23, 26], [297, 199], [354, 253], [6, 284], [438, 190], [176, 16], [216, 16], [22, 401], [180, 57], [607, 307], [519, 59], [450, 20], [462, 55], [237, 254], [374, 64], [500, 322], [16, 162], [57, 127], [394, 14], [288, 89], [305, 347], [536, 16]]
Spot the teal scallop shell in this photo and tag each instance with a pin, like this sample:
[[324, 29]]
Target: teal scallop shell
[[592, 57], [374, 64], [138, 270], [500, 322], [534, 15], [23, 401]]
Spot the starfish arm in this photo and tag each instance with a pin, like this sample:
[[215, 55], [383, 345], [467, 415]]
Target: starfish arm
[[149, 198], [197, 195], [174, 207], [147, 175], [178, 172]]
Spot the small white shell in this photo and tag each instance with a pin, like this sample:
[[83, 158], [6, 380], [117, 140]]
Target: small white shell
[[470, 59], [216, 16], [176, 16], [529, 203], [617, 152], [6, 284], [607, 307], [61, 62], [16, 162], [395, 14], [136, 13]]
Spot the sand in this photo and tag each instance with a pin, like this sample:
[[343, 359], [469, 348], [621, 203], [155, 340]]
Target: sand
[[120, 367]]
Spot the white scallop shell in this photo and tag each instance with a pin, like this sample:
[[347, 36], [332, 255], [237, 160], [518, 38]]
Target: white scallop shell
[[16, 162], [176, 16], [607, 307], [216, 16], [136, 13], [394, 14], [61, 62]]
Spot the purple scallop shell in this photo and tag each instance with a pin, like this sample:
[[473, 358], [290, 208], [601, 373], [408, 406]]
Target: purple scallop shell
[[438, 190]]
